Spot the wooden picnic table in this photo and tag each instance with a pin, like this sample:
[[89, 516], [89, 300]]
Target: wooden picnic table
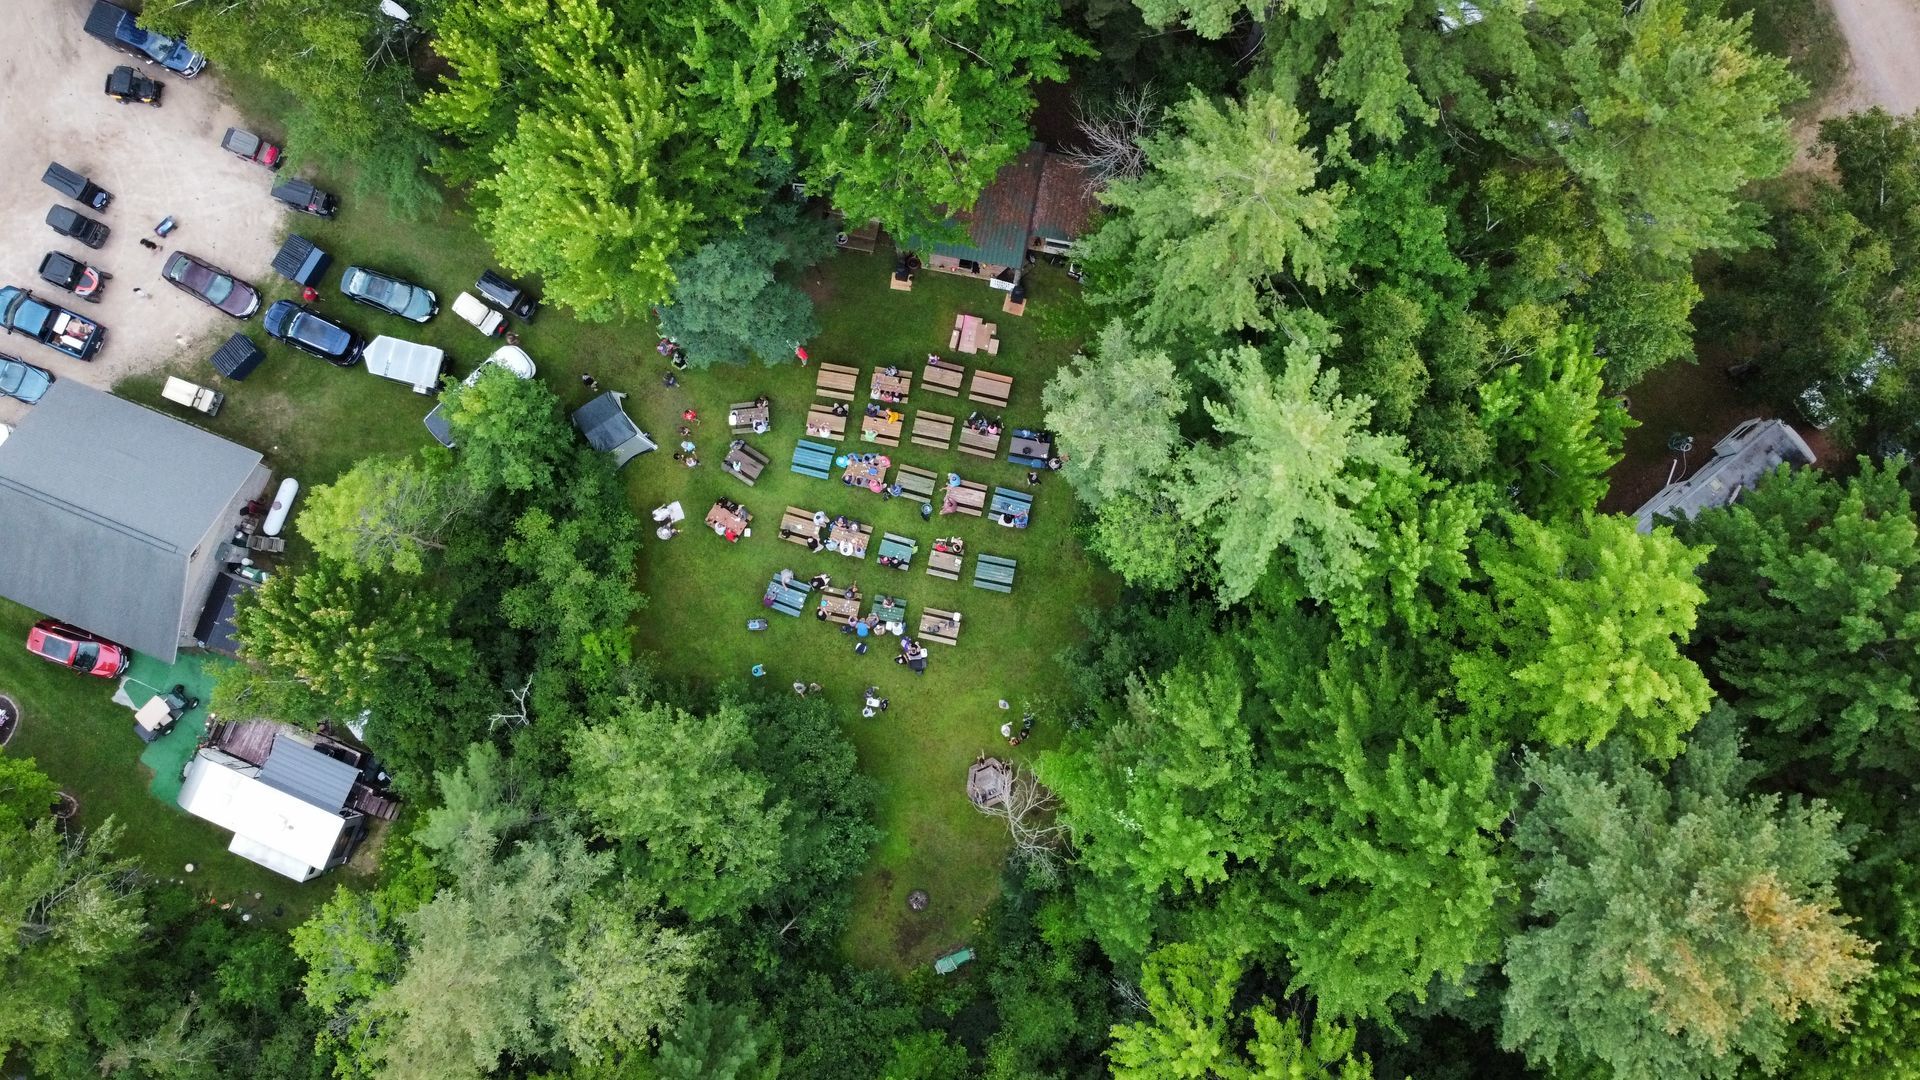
[[838, 605], [865, 474], [823, 423], [745, 462], [722, 520], [1033, 448], [940, 626], [880, 429], [944, 564], [943, 378], [885, 387], [850, 539], [966, 333], [748, 417]]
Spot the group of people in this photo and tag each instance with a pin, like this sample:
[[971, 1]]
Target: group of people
[[874, 703], [913, 655], [891, 372], [730, 535], [1015, 738], [985, 425]]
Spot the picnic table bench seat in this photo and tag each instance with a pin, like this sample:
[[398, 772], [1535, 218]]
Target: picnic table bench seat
[[965, 497], [1011, 508], [823, 424], [742, 415], [990, 389], [796, 526], [787, 599], [932, 429], [836, 381], [940, 626], [994, 573], [813, 459], [895, 546], [979, 443], [944, 564], [943, 378], [745, 464], [894, 610], [915, 481]]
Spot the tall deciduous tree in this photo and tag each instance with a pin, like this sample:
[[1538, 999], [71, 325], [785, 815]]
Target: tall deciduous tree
[[1113, 410], [1190, 1032], [673, 787], [1677, 929], [1231, 209], [1555, 431], [729, 305], [1576, 636], [911, 106], [1297, 463], [384, 514], [1813, 614]]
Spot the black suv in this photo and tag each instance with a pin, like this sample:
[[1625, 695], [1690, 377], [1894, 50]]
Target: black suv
[[313, 333]]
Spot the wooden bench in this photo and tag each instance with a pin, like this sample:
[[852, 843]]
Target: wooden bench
[[797, 527], [878, 429], [788, 599], [838, 606], [895, 546], [813, 459], [823, 424], [994, 573], [979, 443], [933, 430], [940, 626], [837, 381], [745, 464], [943, 378], [916, 482], [944, 564], [749, 418], [990, 389], [1011, 508], [966, 497]]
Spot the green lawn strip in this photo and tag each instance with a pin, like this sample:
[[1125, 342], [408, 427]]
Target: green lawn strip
[[703, 590], [86, 743]]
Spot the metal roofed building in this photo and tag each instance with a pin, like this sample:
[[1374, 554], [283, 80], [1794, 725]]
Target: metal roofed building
[[1038, 202], [1748, 453], [113, 516], [289, 814]]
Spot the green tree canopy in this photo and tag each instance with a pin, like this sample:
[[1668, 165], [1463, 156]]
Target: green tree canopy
[[1113, 409], [729, 304]]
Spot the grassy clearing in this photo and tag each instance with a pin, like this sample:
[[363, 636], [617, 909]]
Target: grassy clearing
[[703, 590], [313, 421]]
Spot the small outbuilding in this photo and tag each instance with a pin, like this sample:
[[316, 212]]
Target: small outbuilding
[[289, 814], [607, 427]]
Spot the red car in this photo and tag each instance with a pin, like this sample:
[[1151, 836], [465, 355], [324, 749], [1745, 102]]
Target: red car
[[70, 646]]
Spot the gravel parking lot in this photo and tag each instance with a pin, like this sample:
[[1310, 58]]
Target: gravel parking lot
[[156, 162]]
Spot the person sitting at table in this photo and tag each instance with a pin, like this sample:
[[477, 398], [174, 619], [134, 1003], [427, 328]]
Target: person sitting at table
[[760, 402], [839, 408], [853, 590], [892, 371], [814, 544], [760, 427], [820, 581], [820, 613]]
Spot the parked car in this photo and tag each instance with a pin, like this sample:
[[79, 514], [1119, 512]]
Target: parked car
[[72, 223], [129, 87], [304, 197], [76, 187], [51, 325], [244, 144], [480, 316], [497, 290], [22, 381], [82, 280], [313, 333], [70, 646], [116, 26], [511, 358], [389, 294], [199, 278]]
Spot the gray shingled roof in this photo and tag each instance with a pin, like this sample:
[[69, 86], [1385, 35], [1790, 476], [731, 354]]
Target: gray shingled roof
[[307, 774], [101, 505]]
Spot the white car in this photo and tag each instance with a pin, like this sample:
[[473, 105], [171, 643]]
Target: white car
[[477, 314], [511, 357]]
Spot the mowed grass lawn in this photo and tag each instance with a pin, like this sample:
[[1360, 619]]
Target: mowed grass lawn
[[703, 590], [314, 421]]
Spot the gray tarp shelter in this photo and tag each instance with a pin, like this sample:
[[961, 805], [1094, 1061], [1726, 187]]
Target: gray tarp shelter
[[113, 516], [607, 427]]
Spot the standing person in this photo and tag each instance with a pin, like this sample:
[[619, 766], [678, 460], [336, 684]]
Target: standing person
[[802, 354]]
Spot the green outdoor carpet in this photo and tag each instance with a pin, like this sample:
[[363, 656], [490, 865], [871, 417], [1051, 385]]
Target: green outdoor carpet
[[167, 755]]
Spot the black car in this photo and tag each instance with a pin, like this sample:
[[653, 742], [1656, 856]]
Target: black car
[[313, 333], [304, 197], [77, 225], [117, 27], [505, 294], [128, 87]]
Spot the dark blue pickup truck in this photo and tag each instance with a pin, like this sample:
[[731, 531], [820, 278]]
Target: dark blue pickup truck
[[51, 325], [115, 25]]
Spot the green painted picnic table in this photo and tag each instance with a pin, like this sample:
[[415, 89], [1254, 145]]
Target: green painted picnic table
[[951, 962]]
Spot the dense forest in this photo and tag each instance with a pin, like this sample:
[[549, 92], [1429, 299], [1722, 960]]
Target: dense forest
[[1396, 757]]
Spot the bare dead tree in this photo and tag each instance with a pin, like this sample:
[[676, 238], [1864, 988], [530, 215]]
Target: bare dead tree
[[1112, 134], [1129, 994], [1038, 835], [516, 713]]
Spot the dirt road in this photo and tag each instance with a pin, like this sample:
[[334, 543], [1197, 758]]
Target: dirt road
[[156, 162], [1883, 45]]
